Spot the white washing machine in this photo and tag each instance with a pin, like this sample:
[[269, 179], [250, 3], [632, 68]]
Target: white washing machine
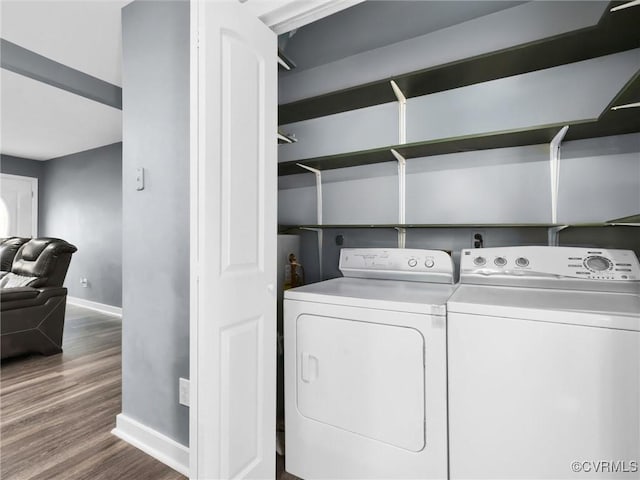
[[365, 368], [544, 364]]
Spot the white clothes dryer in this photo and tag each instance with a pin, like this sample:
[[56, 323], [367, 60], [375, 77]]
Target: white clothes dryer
[[544, 364], [365, 368]]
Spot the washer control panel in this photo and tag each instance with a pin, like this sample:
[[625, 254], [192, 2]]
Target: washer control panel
[[397, 264], [568, 262]]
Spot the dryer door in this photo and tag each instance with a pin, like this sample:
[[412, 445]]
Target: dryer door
[[365, 378]]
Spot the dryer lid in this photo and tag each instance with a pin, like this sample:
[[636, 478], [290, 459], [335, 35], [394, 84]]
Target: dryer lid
[[414, 297]]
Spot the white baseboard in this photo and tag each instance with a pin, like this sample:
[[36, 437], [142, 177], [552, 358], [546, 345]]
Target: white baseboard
[[98, 307], [159, 446]]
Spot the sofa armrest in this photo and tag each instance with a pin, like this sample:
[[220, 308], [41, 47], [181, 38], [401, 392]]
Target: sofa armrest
[[21, 297], [18, 293]]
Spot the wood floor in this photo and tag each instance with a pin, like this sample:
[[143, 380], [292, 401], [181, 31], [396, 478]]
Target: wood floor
[[56, 413]]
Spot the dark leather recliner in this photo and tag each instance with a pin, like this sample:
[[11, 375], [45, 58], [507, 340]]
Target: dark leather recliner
[[8, 249], [33, 314]]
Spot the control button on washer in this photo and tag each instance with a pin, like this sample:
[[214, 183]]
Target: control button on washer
[[479, 260], [522, 262], [597, 263], [500, 261], [412, 262], [429, 263]]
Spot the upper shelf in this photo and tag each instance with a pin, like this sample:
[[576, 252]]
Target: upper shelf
[[616, 122], [616, 32]]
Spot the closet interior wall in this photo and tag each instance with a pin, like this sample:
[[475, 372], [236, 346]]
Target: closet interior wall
[[598, 178]]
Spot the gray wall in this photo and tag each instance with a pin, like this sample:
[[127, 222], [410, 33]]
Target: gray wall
[[535, 99], [155, 335], [543, 97], [21, 166], [81, 202], [529, 22], [26, 168], [599, 180]]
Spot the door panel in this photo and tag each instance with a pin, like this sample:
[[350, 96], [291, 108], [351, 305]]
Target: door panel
[[235, 176], [242, 152], [241, 415]]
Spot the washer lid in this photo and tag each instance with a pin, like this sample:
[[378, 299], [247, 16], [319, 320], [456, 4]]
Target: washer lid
[[414, 297], [597, 309]]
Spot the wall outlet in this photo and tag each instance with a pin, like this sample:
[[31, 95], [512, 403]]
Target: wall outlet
[[477, 239], [184, 387], [84, 282]]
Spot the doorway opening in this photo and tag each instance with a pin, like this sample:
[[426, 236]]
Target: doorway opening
[[18, 206]]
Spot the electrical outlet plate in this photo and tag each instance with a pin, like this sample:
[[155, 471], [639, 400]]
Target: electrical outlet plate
[[184, 387], [474, 239]]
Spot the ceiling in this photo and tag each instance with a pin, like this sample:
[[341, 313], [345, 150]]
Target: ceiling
[[374, 24], [85, 35], [42, 122]]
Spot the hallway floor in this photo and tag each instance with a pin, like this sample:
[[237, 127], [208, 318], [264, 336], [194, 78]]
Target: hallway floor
[[57, 412]]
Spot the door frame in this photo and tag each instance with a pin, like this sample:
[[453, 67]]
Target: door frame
[[34, 198], [281, 16]]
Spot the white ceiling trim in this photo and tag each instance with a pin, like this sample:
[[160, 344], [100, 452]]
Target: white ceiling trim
[[285, 15]]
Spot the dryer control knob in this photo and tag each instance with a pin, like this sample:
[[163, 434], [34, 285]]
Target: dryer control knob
[[412, 262], [479, 261], [429, 263], [500, 261], [522, 262]]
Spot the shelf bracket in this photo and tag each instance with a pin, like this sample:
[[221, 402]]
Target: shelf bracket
[[318, 175], [402, 113], [626, 105], [553, 234], [282, 138], [633, 3], [554, 165], [402, 197], [402, 236], [284, 61]]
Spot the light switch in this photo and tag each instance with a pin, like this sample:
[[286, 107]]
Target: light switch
[[183, 387], [140, 179]]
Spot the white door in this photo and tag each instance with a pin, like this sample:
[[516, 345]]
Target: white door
[[234, 226], [18, 206]]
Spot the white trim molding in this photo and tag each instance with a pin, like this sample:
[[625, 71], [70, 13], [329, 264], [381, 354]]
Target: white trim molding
[[282, 16], [98, 307], [151, 442]]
